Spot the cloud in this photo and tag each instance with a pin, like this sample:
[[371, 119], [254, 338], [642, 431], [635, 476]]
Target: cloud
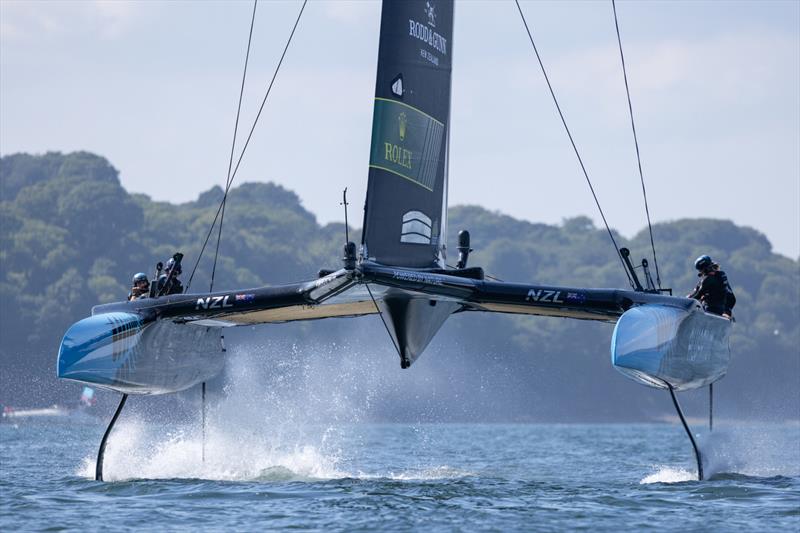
[[24, 21], [724, 69], [351, 13]]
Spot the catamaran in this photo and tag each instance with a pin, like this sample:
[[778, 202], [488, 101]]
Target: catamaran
[[167, 344]]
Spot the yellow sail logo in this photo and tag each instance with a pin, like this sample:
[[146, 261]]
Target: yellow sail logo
[[397, 155], [403, 121], [406, 142]]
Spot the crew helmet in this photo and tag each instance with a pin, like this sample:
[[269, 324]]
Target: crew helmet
[[171, 265], [703, 263], [139, 277]]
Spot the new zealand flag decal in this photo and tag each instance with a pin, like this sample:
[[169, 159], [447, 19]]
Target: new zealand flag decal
[[575, 297]]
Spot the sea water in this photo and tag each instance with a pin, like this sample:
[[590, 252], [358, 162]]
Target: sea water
[[290, 442], [362, 476]]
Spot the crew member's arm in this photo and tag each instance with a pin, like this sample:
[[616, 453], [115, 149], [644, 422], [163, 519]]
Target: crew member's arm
[[696, 292], [703, 288]]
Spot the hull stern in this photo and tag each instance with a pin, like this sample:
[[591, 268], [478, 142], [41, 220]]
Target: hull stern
[[659, 344], [124, 352]]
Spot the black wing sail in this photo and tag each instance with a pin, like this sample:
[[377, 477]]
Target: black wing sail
[[405, 213]]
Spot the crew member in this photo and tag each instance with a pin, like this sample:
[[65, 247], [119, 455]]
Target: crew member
[[713, 291], [140, 288], [168, 282]]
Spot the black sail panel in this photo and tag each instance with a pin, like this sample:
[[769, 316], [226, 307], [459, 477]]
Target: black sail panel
[[405, 212]]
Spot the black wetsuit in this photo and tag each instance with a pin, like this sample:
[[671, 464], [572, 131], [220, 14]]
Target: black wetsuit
[[715, 293], [175, 286], [730, 298]]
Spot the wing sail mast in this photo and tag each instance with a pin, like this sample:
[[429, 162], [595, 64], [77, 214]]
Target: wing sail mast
[[405, 212]]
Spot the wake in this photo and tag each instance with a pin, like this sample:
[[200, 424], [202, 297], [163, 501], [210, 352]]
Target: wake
[[132, 454], [752, 450], [280, 417], [758, 450]]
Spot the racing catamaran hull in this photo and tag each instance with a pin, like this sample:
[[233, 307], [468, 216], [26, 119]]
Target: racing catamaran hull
[[126, 353], [658, 345], [163, 345]]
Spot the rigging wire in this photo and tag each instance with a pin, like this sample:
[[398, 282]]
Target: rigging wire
[[203, 421], [247, 142], [572, 141], [636, 143], [233, 145]]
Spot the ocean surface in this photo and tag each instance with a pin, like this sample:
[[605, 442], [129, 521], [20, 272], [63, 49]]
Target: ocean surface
[[359, 476]]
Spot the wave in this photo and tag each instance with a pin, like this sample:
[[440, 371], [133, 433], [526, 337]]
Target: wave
[[667, 474]]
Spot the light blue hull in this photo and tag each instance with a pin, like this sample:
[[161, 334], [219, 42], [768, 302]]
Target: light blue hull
[[659, 344], [122, 352]]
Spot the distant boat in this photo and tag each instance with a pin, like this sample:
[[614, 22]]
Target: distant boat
[[54, 411], [46, 412], [167, 344]]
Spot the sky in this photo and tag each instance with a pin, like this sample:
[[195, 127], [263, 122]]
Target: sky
[[153, 87]]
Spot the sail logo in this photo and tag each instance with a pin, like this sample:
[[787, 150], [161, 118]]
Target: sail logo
[[417, 228], [397, 86], [424, 33], [407, 142], [402, 120], [544, 296], [397, 155], [213, 302], [430, 10]]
